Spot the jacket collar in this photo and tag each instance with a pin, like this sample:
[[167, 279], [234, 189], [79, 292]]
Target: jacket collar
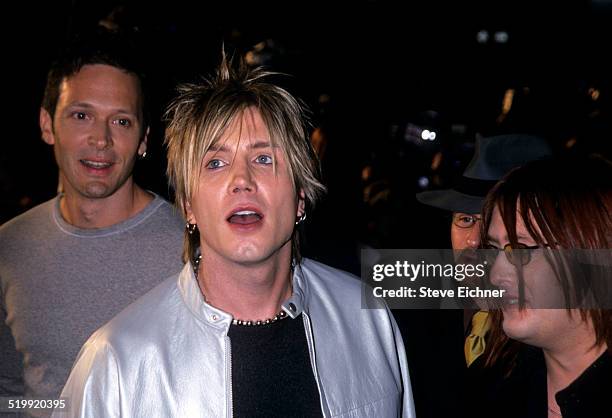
[[193, 298]]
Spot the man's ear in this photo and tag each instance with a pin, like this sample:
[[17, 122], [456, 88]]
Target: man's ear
[[189, 213], [142, 148], [46, 126], [301, 206]]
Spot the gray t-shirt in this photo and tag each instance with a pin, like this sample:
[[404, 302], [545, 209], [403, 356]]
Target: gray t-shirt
[[58, 284]]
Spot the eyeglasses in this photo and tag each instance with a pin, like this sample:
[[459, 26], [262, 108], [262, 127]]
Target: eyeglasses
[[518, 255], [465, 220]]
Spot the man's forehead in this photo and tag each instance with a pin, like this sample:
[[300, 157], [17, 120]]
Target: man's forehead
[[497, 229], [102, 84]]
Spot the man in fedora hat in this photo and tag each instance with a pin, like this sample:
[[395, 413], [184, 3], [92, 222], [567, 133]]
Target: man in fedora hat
[[494, 157]]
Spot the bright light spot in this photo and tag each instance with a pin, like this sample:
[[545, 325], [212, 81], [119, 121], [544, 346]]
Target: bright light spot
[[501, 37], [594, 93], [427, 135], [482, 37], [508, 99], [259, 46], [251, 58], [366, 173], [423, 182]]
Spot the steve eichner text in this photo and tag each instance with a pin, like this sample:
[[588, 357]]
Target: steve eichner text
[[412, 271], [426, 292]]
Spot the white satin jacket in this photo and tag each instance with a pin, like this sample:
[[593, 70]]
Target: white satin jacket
[[168, 354]]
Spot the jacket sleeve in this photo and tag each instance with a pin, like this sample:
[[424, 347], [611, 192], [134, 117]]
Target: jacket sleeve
[[407, 401], [93, 387]]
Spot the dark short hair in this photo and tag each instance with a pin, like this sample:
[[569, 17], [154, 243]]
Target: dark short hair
[[97, 47]]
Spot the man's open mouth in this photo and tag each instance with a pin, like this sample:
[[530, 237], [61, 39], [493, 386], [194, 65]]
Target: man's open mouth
[[98, 165], [245, 217]]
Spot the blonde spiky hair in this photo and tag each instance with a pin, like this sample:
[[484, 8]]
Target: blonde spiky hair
[[200, 114]]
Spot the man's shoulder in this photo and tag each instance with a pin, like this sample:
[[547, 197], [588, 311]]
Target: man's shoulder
[[333, 287], [159, 209], [320, 274], [142, 320], [28, 221]]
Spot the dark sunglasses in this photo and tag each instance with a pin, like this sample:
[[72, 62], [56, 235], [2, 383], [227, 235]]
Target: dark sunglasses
[[515, 255]]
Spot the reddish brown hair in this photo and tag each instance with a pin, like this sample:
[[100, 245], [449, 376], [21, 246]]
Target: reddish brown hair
[[565, 201]]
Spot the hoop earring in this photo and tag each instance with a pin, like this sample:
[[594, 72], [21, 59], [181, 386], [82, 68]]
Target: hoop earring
[[301, 219], [191, 228]]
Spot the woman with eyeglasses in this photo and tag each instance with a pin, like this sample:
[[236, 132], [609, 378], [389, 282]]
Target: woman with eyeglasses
[[552, 335]]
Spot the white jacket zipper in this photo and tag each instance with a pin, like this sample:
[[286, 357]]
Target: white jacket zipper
[[313, 358], [228, 360]]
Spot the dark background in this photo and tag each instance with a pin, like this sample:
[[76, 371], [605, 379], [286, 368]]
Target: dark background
[[375, 74]]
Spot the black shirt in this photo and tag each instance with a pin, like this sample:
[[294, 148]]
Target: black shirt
[[523, 394], [271, 371]]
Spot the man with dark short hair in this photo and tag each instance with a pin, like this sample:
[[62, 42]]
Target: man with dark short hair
[[70, 264]]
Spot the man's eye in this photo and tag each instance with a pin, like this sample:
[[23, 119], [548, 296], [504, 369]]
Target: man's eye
[[264, 159], [79, 115], [124, 122], [467, 220], [464, 220], [212, 164]]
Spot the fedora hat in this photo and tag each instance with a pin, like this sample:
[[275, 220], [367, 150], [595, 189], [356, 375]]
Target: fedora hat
[[493, 158]]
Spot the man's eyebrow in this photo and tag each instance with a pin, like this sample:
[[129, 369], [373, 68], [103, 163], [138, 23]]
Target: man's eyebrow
[[263, 144], [218, 148], [256, 145], [80, 104], [87, 105]]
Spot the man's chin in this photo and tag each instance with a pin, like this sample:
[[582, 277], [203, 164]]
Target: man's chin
[[517, 323], [97, 190], [251, 255], [246, 254], [466, 256]]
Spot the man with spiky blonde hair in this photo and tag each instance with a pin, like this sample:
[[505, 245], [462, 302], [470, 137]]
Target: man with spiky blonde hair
[[191, 133], [248, 328]]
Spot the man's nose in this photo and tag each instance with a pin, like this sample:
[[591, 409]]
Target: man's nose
[[241, 177], [473, 237], [101, 136], [502, 273]]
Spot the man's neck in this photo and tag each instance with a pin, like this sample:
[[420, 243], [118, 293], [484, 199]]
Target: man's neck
[[88, 213], [566, 364], [248, 292]]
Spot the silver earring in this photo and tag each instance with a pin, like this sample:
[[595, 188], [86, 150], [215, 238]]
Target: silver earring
[[143, 155], [191, 228], [301, 219]]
